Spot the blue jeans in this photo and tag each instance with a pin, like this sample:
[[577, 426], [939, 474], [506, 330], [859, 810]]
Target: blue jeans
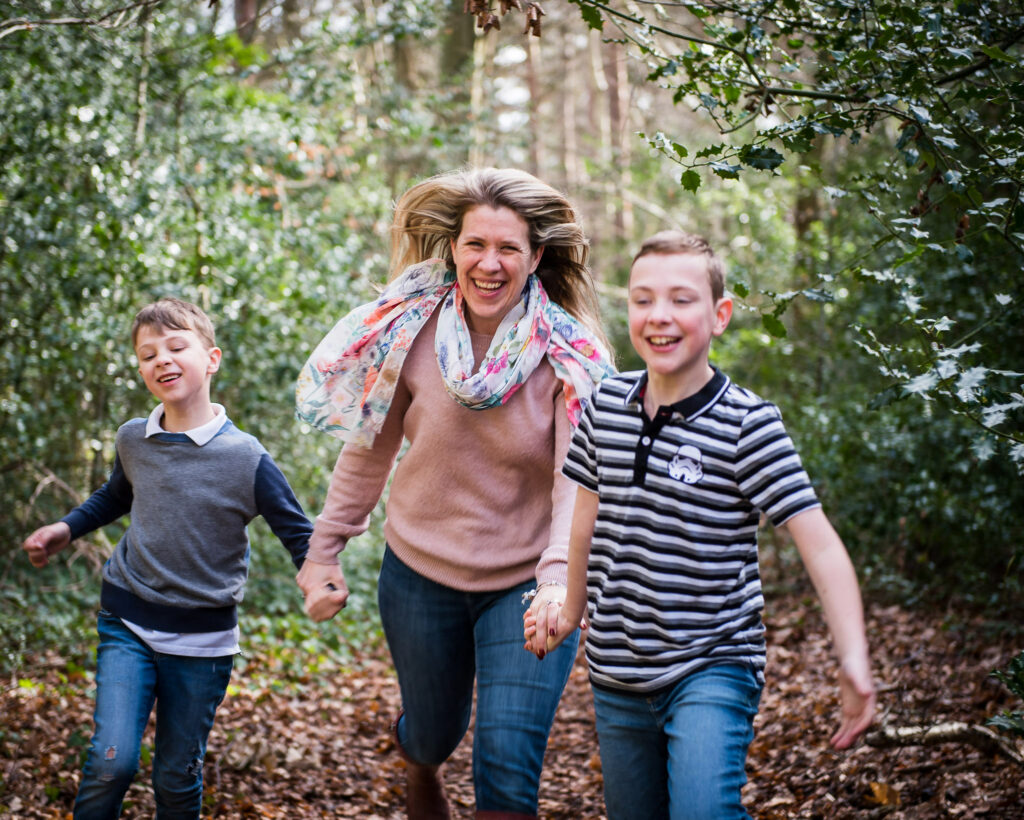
[[130, 677], [679, 754], [442, 639]]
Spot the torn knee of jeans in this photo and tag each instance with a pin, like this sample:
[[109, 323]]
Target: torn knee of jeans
[[111, 753], [195, 767]]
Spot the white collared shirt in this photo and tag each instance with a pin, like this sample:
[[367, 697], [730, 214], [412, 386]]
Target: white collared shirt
[[200, 435]]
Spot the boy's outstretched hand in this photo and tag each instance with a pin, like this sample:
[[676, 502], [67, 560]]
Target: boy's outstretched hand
[[857, 697], [46, 541], [324, 588]]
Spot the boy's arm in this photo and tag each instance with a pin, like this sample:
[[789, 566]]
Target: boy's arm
[[835, 581], [105, 506], [279, 507], [276, 502], [546, 623]]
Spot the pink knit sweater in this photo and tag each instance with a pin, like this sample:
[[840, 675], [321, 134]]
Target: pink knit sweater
[[477, 501]]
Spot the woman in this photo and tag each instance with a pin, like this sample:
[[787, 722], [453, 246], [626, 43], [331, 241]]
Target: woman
[[493, 310]]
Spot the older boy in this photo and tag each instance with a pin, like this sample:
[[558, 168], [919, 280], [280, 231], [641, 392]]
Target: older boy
[[675, 465], [191, 481]]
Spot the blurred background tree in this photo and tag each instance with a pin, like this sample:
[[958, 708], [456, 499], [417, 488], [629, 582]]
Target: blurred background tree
[[858, 165]]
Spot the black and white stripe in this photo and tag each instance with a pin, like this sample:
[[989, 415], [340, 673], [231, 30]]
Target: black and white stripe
[[673, 581]]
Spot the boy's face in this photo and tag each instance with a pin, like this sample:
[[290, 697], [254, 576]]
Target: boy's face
[[176, 365], [673, 317]]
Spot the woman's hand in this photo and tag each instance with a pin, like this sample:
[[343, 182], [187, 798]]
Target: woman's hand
[[324, 588]]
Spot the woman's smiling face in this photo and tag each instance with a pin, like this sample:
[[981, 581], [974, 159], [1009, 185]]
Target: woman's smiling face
[[493, 260]]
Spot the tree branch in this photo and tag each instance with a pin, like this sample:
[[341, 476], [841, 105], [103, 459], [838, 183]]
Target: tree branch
[[982, 738], [113, 19]]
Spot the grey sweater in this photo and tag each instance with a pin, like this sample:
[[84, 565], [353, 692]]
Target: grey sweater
[[182, 564]]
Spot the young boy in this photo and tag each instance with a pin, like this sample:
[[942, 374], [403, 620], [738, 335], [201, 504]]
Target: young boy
[[191, 481], [675, 465]]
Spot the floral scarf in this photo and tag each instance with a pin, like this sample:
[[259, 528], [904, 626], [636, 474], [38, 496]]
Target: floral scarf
[[347, 385]]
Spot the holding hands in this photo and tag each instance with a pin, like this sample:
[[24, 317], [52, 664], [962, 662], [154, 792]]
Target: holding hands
[[546, 623], [324, 588]]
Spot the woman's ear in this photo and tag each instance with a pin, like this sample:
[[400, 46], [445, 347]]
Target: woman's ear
[[537, 254]]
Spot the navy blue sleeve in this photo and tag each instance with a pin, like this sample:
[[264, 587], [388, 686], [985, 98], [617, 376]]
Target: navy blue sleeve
[[279, 507], [105, 506]]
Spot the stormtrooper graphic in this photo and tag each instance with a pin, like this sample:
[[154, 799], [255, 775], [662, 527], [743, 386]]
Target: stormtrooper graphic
[[686, 466]]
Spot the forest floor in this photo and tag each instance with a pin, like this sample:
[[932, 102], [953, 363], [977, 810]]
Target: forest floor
[[319, 748]]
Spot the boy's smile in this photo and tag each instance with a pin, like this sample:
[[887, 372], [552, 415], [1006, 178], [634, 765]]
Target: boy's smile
[[672, 319]]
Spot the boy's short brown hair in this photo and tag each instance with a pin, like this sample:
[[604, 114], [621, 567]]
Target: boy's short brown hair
[[175, 314], [669, 242]]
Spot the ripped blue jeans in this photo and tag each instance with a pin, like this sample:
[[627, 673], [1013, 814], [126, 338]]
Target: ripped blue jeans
[[130, 678]]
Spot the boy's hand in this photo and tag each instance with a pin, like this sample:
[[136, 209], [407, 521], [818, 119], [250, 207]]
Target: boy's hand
[[46, 541], [857, 696], [324, 588]]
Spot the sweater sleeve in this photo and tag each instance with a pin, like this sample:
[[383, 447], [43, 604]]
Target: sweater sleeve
[[553, 563], [109, 503], [276, 502], [357, 484]]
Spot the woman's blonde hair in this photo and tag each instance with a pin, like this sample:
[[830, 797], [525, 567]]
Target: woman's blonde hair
[[429, 216]]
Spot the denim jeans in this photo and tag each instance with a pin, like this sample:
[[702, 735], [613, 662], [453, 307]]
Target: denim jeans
[[440, 640], [679, 754], [130, 677]]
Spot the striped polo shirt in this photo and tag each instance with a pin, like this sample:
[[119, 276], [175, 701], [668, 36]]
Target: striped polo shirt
[[672, 582]]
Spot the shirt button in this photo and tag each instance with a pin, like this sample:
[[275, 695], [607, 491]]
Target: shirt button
[[645, 441]]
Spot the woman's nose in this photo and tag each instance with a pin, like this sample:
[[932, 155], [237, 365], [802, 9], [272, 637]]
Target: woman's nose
[[490, 261]]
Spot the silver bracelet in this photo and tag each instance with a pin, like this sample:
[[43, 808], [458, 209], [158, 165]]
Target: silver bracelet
[[529, 595]]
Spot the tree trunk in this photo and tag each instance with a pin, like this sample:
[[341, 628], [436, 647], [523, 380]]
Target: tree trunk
[[246, 12], [569, 91], [534, 126], [479, 152]]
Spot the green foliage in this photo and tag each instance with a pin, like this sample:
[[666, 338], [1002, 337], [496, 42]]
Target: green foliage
[[1011, 722], [161, 157], [929, 96]]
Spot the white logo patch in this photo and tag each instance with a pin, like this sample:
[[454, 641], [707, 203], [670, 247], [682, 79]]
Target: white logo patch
[[686, 466]]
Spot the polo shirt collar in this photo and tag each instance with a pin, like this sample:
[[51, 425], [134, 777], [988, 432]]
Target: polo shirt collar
[[692, 406], [200, 435]]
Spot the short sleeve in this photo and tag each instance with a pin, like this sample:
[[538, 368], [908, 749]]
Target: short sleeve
[[580, 463], [768, 468]]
